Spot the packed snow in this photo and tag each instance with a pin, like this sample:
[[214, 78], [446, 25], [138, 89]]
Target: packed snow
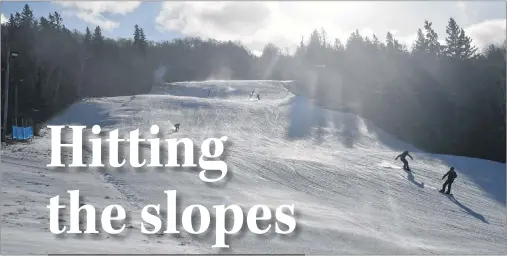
[[351, 197]]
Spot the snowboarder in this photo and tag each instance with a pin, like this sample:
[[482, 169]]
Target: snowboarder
[[403, 157], [451, 175], [176, 127], [258, 97]]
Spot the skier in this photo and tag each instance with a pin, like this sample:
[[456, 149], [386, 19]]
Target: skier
[[176, 127], [451, 175], [258, 97], [402, 156]]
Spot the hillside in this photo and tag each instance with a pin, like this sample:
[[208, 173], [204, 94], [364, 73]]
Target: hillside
[[350, 195]]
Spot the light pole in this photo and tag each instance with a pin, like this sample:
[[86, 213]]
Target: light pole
[[10, 56], [16, 103]]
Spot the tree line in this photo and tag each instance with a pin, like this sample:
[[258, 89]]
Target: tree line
[[446, 98]]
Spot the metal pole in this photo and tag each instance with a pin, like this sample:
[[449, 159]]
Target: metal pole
[[16, 101], [6, 104]]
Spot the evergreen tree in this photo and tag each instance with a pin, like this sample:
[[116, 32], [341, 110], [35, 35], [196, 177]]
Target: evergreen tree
[[17, 18], [338, 46], [97, 35], [137, 37], [376, 42], [27, 19], [56, 21], [433, 46], [301, 50], [392, 45], [323, 37], [313, 50], [467, 49], [453, 46], [88, 37], [44, 23], [97, 41], [142, 40], [421, 43], [12, 21], [355, 42]]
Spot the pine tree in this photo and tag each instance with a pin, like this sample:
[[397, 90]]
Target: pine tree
[[87, 43], [421, 44], [434, 47], [27, 19], [393, 45], [301, 49], [17, 19], [97, 35], [323, 37], [368, 41], [136, 35], [56, 20], [453, 48], [44, 23], [459, 45], [376, 41], [88, 36], [355, 42], [142, 42], [467, 50], [314, 48], [12, 23], [142, 37], [338, 46], [390, 41], [97, 41]]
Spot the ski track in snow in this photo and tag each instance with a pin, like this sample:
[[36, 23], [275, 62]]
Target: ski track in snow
[[350, 195]]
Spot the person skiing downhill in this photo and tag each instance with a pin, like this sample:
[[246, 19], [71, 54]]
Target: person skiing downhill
[[451, 175], [176, 127], [403, 157], [258, 97]]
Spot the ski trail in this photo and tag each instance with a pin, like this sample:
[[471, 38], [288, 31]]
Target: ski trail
[[351, 197]]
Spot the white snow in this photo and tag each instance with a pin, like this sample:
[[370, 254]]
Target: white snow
[[350, 195]]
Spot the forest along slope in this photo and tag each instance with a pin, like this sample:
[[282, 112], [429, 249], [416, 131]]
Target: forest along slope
[[350, 195]]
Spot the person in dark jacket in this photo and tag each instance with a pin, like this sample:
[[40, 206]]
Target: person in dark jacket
[[451, 175], [176, 127], [258, 97], [403, 157]]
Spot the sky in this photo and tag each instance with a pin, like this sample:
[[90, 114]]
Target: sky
[[283, 23]]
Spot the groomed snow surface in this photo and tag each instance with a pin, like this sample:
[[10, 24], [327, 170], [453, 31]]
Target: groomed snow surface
[[350, 195]]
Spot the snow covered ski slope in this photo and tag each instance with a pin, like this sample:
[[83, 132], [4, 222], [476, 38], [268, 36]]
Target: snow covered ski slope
[[350, 195]]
